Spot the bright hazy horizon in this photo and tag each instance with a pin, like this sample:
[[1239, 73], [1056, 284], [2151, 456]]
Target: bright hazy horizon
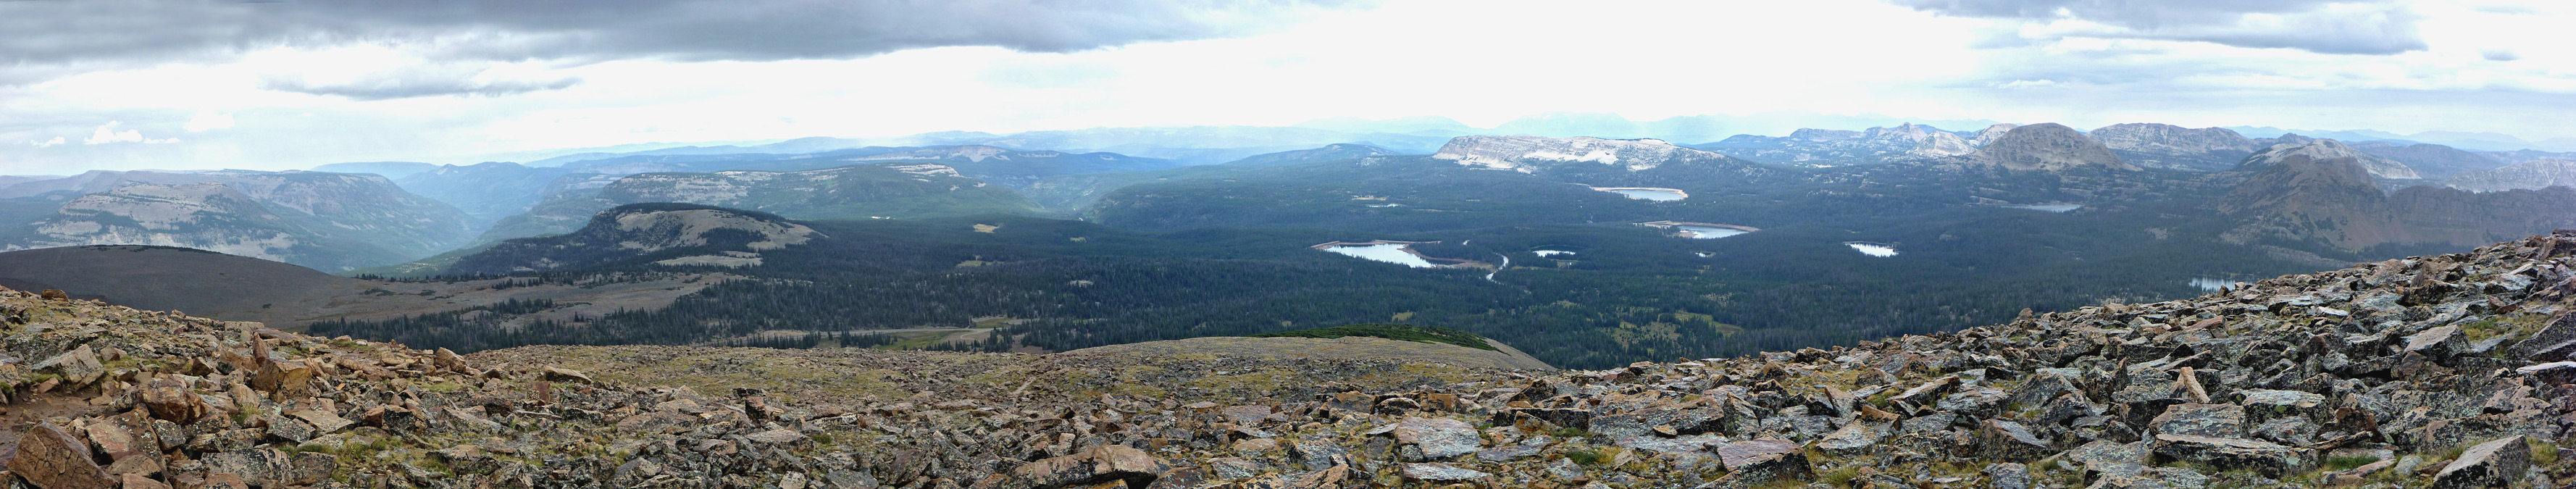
[[173, 85]]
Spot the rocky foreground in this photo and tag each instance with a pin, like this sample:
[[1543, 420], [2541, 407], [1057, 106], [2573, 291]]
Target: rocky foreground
[[2443, 371]]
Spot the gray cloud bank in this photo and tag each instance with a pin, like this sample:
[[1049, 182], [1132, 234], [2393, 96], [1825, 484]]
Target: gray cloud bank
[[50, 39], [2322, 26]]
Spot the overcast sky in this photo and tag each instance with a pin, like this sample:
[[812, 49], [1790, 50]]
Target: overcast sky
[[119, 85]]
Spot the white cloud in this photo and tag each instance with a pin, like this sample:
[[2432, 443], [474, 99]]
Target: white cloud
[[57, 141], [1482, 62], [107, 133], [208, 121]]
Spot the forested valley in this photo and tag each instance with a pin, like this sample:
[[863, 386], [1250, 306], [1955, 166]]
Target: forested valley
[[1197, 266]]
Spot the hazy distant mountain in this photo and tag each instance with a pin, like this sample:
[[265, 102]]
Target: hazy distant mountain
[[791, 146], [2049, 147], [1073, 193], [2478, 141], [1326, 153], [2518, 156], [388, 169], [1422, 125], [1827, 147], [1570, 124], [1692, 130], [1189, 145], [1016, 168], [2431, 160], [1530, 154], [1204, 137], [2537, 174], [2172, 147], [2473, 140], [486, 191], [897, 190], [330, 221], [2323, 149]]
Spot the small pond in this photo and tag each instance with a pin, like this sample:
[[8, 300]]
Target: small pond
[[1647, 193], [2057, 208], [1390, 253], [1708, 232], [1873, 249]]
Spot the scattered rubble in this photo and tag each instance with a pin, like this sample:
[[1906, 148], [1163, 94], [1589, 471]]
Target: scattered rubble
[[2441, 371]]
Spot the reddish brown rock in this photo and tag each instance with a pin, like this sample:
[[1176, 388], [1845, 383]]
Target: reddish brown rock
[[1100, 464], [51, 458]]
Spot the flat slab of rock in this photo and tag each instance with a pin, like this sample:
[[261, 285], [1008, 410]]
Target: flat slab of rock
[[2271, 459], [1756, 462], [2437, 342], [2105, 453], [1246, 415], [1439, 438], [2492, 464], [2212, 420], [1093, 465], [1440, 472], [1687, 444], [1854, 438], [2265, 404]]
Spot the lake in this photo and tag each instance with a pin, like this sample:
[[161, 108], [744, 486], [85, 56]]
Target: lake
[[2058, 208], [1647, 193], [2207, 284], [1873, 249], [1707, 232], [1551, 252], [1390, 253]]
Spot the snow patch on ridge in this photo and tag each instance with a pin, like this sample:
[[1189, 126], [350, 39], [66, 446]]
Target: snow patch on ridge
[[1526, 153]]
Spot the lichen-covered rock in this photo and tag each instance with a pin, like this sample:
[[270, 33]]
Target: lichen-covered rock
[[2270, 459], [1437, 438], [1854, 438], [1440, 472], [1090, 466], [2266, 404], [2496, 463], [2211, 420]]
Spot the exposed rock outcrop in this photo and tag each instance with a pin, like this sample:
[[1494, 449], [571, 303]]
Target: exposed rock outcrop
[[2048, 147], [2172, 147], [1825, 147], [2325, 149]]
